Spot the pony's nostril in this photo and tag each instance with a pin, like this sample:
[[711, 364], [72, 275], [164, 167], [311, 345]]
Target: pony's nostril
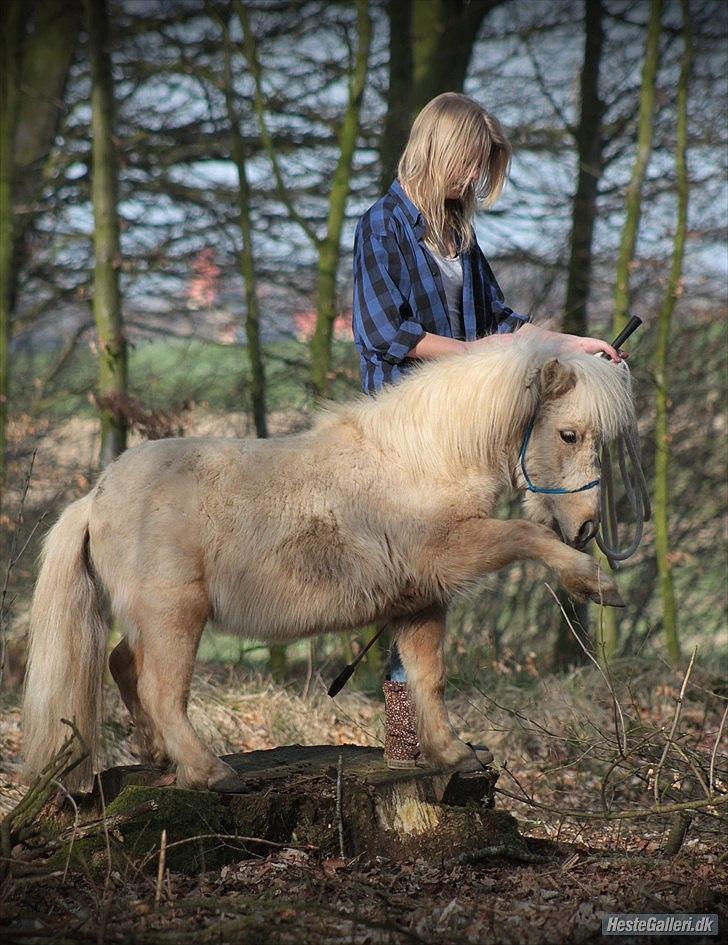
[[586, 532]]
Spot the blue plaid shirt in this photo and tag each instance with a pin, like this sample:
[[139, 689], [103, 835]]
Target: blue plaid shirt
[[398, 291]]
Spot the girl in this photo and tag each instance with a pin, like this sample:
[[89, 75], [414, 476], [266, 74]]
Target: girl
[[423, 288]]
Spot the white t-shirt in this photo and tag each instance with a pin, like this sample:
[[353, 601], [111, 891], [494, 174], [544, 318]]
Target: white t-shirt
[[451, 270]]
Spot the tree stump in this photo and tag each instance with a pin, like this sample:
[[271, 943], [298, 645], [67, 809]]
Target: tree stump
[[331, 798]]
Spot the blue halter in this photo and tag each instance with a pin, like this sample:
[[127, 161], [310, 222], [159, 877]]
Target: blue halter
[[530, 486]]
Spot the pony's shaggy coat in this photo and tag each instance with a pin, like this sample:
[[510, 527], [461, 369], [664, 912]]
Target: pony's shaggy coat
[[380, 512]]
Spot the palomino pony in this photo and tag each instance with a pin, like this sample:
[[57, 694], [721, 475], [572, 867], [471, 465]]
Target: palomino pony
[[382, 511]]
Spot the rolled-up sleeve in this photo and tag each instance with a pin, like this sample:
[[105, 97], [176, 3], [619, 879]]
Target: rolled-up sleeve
[[383, 321], [508, 320]]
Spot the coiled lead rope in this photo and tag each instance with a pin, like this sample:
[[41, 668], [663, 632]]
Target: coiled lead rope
[[629, 454], [636, 492]]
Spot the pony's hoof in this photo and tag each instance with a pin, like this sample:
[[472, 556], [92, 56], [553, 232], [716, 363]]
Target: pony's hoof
[[608, 597], [480, 758]]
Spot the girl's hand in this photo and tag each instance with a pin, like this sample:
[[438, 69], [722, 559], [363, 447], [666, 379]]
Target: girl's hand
[[577, 343], [590, 346]]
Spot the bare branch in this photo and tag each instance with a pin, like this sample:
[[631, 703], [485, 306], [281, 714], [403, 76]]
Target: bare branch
[[678, 710], [251, 55]]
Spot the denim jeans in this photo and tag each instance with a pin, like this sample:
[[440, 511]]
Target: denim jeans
[[396, 669]]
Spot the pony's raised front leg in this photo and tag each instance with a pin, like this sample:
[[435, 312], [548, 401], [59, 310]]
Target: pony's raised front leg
[[171, 620], [420, 639], [477, 546]]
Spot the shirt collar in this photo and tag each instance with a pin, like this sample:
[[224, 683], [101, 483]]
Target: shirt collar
[[410, 210]]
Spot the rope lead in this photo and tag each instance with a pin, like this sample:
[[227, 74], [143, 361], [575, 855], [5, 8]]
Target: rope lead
[[635, 488]]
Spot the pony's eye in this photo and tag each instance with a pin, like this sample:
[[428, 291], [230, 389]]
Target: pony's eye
[[568, 436]]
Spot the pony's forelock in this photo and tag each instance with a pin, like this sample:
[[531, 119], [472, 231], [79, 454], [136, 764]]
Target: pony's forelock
[[603, 393]]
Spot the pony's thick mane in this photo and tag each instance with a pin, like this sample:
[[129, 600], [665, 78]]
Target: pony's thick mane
[[487, 394]]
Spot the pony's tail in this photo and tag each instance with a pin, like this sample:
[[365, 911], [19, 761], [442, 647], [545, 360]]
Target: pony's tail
[[66, 650]]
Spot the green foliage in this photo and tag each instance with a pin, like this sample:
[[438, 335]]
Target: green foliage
[[164, 374]]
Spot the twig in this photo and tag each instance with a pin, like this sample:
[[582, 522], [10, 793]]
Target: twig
[[678, 710], [160, 868], [27, 541], [339, 818], [17, 825], [693, 767], [309, 670], [85, 830], [618, 708], [228, 837], [76, 814], [657, 811], [621, 746], [251, 55], [107, 900], [711, 776], [545, 91], [511, 775], [43, 877], [620, 759], [375, 740], [514, 712], [68, 348]]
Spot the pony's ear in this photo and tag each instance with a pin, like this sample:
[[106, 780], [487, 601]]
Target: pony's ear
[[556, 380]]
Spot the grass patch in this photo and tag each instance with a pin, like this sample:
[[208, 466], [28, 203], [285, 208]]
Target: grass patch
[[165, 373]]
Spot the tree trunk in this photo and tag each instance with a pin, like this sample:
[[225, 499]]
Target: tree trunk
[[661, 508], [328, 248], [444, 33], [399, 90], [247, 260], [331, 247], [590, 143], [609, 622], [278, 662], [430, 47], [47, 56], [34, 72], [112, 353], [633, 201], [341, 799], [13, 24]]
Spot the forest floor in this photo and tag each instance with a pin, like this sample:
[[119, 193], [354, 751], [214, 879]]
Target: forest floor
[[557, 749]]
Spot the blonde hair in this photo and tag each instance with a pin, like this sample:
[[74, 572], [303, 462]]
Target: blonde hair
[[449, 138]]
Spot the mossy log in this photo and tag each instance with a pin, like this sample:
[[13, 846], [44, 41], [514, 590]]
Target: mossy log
[[323, 797]]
